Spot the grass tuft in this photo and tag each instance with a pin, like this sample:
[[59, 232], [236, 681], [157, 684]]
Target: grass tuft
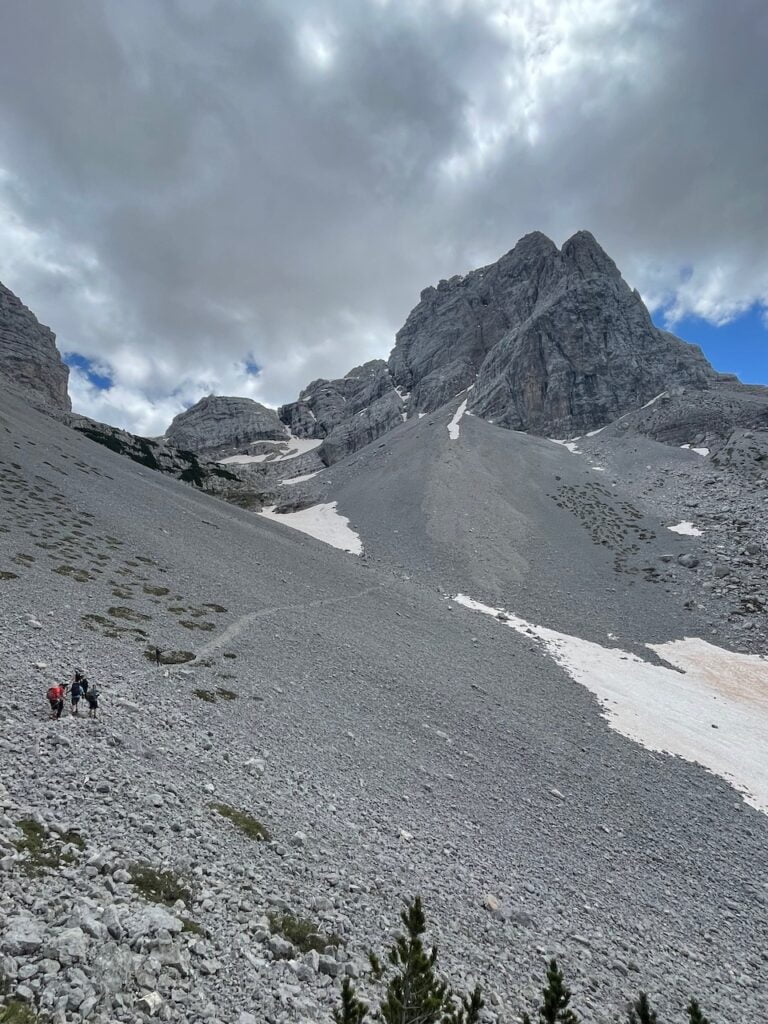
[[302, 932], [159, 886], [244, 822]]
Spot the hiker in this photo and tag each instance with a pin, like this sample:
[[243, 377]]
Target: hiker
[[56, 699], [80, 678], [92, 697], [76, 692], [157, 655]]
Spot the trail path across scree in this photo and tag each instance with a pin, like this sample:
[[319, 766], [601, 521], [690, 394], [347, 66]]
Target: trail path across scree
[[237, 627]]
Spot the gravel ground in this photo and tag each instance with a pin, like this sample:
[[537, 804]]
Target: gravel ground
[[390, 742]]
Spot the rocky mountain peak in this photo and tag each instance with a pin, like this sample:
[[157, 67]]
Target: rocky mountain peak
[[29, 359], [218, 424]]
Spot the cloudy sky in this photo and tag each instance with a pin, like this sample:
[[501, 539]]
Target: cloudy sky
[[242, 195]]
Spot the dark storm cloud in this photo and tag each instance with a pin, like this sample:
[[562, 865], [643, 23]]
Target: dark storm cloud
[[191, 186]]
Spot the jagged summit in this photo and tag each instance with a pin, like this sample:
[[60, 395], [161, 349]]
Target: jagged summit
[[29, 358]]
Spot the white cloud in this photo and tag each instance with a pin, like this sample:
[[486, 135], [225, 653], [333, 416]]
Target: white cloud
[[279, 184]]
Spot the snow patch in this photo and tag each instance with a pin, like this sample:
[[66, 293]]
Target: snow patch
[[687, 529], [453, 426], [422, 414], [572, 446], [300, 479], [282, 451], [653, 400], [713, 712], [322, 522], [704, 452], [594, 433]]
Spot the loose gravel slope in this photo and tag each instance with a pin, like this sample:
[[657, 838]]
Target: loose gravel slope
[[388, 740]]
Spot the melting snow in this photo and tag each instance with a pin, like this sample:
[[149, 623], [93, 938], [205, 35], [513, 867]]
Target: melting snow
[[281, 452], [300, 479], [686, 528], [453, 426], [570, 445], [653, 400], [714, 712], [322, 522]]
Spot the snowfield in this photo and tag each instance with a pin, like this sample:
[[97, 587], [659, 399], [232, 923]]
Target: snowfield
[[713, 711], [300, 479], [282, 452], [322, 522]]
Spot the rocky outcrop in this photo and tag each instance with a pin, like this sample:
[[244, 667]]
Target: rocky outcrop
[[555, 341], [217, 425], [29, 359], [348, 413], [233, 483]]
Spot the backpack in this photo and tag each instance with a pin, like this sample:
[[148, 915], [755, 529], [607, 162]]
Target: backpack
[[54, 693], [92, 693]]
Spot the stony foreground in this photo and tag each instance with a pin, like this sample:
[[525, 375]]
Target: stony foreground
[[387, 742]]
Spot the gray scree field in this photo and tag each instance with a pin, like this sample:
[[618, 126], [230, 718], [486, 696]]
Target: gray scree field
[[390, 741]]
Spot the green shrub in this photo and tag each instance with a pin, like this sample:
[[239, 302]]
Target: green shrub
[[302, 932], [159, 886], [43, 851]]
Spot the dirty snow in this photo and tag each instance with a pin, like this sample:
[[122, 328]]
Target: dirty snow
[[300, 479], [714, 712], [453, 426], [322, 522], [570, 445], [687, 529], [281, 451]]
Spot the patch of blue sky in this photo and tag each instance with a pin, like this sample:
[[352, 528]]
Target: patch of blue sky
[[739, 346], [96, 373], [252, 367]]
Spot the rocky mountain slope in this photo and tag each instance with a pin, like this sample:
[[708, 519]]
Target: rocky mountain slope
[[387, 740], [29, 358]]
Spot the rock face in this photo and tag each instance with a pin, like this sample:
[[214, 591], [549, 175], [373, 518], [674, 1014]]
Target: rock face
[[551, 341], [348, 413], [555, 340], [218, 425], [29, 358]]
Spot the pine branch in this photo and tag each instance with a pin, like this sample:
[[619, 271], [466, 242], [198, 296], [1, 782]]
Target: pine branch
[[695, 1016], [640, 1011]]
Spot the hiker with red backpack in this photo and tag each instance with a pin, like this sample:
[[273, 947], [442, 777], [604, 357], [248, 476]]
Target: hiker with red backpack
[[55, 696]]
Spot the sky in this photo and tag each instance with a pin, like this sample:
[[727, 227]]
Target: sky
[[240, 196]]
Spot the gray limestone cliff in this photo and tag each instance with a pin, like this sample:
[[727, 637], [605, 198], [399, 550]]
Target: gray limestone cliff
[[29, 359], [555, 342], [347, 413], [220, 425]]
